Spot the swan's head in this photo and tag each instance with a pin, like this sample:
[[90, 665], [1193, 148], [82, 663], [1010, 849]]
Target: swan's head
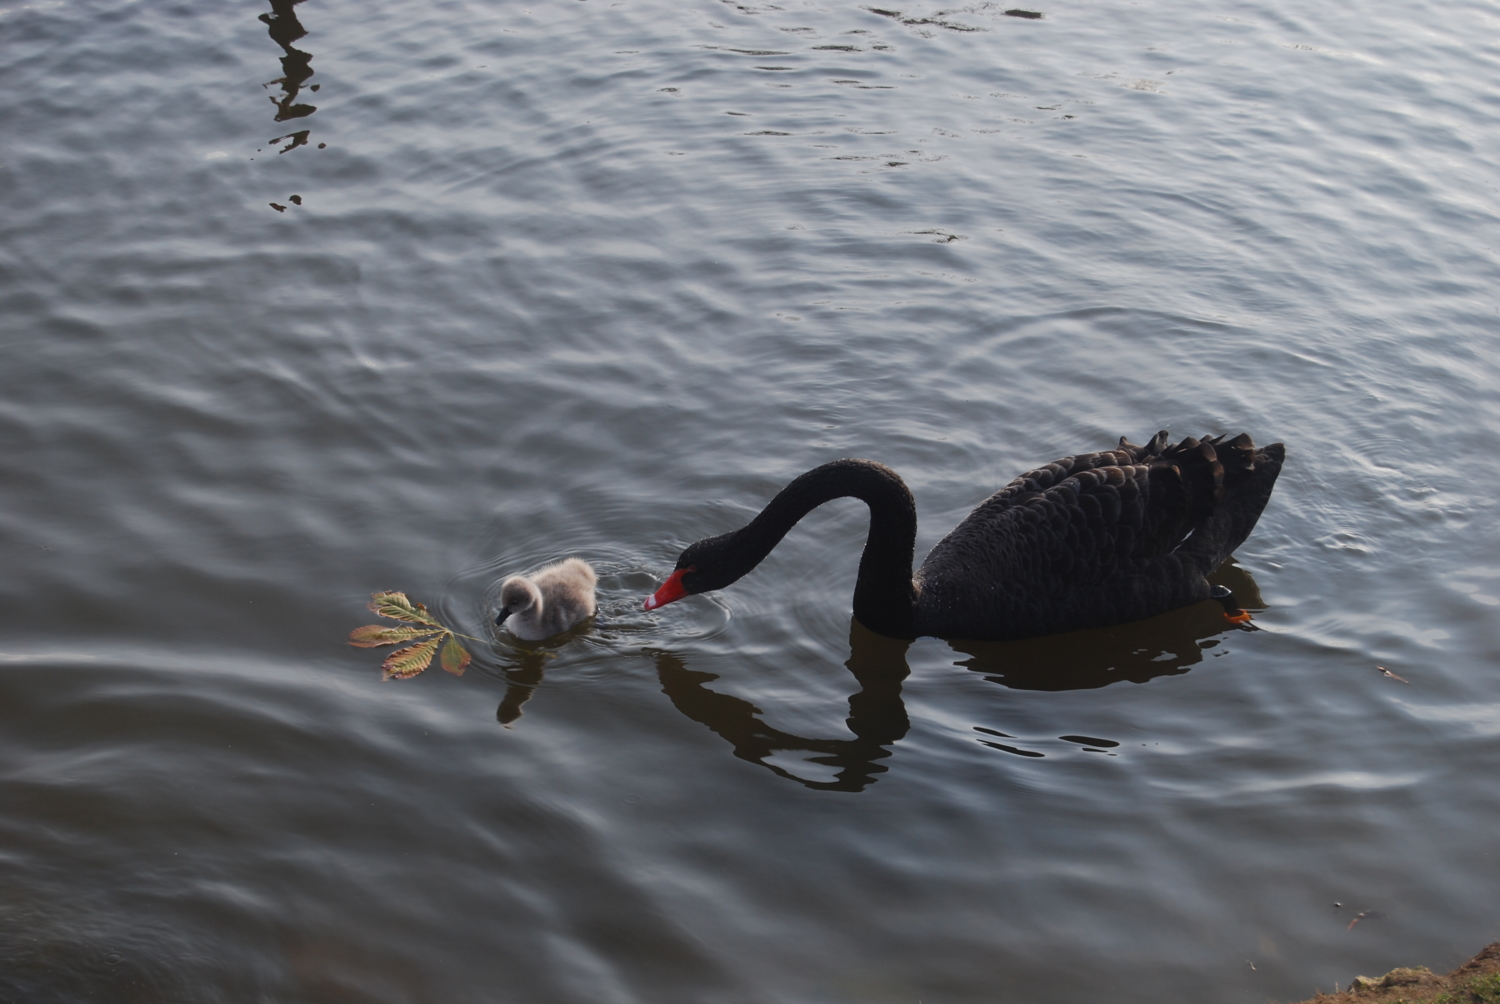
[[702, 568], [517, 595]]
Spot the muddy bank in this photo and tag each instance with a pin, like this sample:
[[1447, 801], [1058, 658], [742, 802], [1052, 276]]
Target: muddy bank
[[1475, 982]]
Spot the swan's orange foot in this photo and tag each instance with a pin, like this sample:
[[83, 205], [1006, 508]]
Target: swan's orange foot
[[1232, 612]]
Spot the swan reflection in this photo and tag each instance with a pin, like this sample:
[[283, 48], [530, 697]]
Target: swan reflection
[[1139, 651], [1167, 645], [877, 716]]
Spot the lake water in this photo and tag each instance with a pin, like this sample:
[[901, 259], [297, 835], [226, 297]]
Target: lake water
[[598, 278]]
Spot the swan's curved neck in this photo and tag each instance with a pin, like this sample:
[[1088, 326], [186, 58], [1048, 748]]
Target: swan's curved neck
[[884, 596]]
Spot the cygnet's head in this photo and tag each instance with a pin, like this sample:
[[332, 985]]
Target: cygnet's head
[[517, 595]]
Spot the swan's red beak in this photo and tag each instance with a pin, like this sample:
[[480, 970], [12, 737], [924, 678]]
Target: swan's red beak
[[671, 590]]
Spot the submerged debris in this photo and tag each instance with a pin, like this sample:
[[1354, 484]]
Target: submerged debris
[[1366, 915]]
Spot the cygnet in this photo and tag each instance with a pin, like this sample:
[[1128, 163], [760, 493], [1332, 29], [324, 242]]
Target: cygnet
[[552, 600]]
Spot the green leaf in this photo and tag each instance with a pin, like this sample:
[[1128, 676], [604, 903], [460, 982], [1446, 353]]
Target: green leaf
[[408, 662], [379, 634], [455, 657], [398, 608]]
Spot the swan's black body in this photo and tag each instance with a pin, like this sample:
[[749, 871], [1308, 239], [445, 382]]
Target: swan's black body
[[1086, 541]]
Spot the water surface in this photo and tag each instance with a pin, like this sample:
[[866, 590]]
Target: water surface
[[598, 279]]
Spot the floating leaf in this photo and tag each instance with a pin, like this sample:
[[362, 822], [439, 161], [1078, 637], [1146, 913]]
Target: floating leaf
[[398, 608], [408, 662], [455, 656], [372, 635]]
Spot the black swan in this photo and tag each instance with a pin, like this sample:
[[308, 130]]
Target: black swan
[[552, 600], [1086, 541]]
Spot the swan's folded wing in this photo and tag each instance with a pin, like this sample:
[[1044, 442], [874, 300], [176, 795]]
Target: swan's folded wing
[[1074, 531], [1050, 475], [1092, 525]]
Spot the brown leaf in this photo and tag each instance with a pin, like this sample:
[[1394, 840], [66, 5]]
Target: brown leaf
[[1387, 673], [398, 608], [408, 662], [372, 635], [1367, 915], [455, 657]]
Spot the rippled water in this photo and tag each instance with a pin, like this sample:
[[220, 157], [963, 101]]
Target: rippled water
[[597, 279]]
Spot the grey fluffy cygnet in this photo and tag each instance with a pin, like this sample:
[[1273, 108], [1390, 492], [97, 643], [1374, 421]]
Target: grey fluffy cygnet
[[552, 600]]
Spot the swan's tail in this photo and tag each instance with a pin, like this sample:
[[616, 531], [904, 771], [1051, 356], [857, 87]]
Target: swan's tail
[[1245, 477]]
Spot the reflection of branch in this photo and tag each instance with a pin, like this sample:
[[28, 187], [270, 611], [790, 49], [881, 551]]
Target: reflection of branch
[[287, 110], [285, 28], [297, 139], [296, 68]]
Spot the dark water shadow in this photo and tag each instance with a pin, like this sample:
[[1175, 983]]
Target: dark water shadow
[[524, 667], [1166, 645], [296, 69], [877, 715], [1169, 644], [521, 681]]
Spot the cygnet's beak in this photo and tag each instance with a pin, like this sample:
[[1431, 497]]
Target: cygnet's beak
[[501, 619], [670, 591]]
